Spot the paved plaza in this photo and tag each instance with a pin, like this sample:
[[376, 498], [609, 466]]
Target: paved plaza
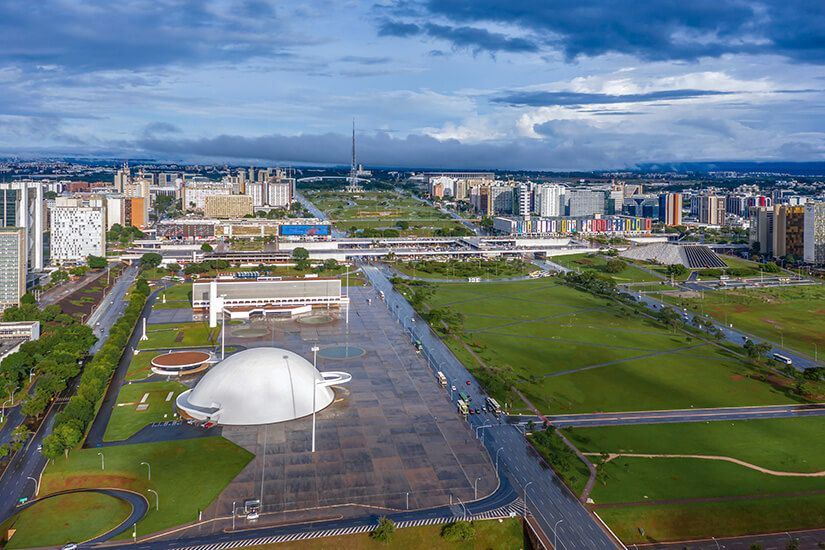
[[389, 432]]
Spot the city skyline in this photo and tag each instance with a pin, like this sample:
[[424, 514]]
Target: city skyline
[[435, 84]]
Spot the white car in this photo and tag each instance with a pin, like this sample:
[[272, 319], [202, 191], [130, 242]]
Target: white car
[[454, 388], [252, 516], [70, 546]]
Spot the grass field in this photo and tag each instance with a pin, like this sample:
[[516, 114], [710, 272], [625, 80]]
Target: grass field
[[591, 262], [187, 474], [179, 292], [499, 535], [793, 315], [82, 516], [140, 366], [127, 420], [454, 269], [782, 445], [541, 330], [177, 336]]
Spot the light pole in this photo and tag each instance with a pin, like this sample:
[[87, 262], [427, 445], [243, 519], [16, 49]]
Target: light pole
[[525, 498], [102, 461], [314, 390], [31, 373], [150, 470], [223, 325], [716, 541], [555, 533], [475, 489], [157, 498], [233, 515], [36, 485], [3, 409], [408, 501], [498, 451]]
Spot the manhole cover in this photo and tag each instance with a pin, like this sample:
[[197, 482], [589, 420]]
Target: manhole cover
[[341, 352]]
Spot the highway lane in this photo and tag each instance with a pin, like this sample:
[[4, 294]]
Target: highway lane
[[675, 416], [548, 498], [29, 462]]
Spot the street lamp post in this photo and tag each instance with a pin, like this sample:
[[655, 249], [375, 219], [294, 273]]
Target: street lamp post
[[555, 533], [31, 373], [36, 485], [475, 489], [314, 390], [3, 409], [233, 515], [157, 498], [526, 507], [150, 470], [716, 541], [408, 501], [102, 461], [498, 451]]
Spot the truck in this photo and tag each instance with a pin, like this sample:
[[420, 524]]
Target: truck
[[441, 379], [494, 407]]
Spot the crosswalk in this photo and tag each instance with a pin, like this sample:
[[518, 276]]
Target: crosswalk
[[515, 508]]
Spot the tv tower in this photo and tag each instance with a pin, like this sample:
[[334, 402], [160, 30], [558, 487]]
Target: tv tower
[[352, 181]]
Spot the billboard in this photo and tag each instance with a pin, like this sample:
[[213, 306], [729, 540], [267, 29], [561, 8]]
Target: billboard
[[287, 230]]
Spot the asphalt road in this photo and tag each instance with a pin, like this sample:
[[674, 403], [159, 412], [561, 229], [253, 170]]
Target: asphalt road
[[28, 462], [547, 497], [676, 416]]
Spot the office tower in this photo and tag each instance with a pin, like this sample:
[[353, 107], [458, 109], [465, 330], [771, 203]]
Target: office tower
[[480, 199], [761, 228], [523, 200], [77, 232], [549, 200], [670, 208], [256, 191], [814, 247], [501, 199], [711, 210], [196, 190], [22, 205], [13, 265], [227, 206], [581, 202], [789, 231], [122, 178], [279, 193]]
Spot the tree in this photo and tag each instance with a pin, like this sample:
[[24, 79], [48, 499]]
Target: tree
[[614, 266], [300, 253], [206, 247], [151, 260], [28, 299], [458, 531], [143, 287], [96, 262], [677, 270], [59, 276], [403, 225], [384, 531], [68, 435], [19, 436], [771, 267], [173, 267], [669, 317]]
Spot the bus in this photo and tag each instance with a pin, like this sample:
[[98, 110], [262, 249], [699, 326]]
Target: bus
[[782, 359], [494, 407], [463, 408], [464, 397], [441, 379]]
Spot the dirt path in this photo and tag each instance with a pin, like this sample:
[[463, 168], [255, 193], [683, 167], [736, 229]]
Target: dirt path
[[715, 457]]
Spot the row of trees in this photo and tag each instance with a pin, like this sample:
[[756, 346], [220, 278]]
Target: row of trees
[[71, 423]]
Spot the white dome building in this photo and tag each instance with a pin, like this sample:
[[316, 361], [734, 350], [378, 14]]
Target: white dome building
[[259, 386]]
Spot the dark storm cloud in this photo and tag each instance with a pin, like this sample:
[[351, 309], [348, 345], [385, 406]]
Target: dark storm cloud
[[100, 34], [652, 30], [549, 99], [472, 38]]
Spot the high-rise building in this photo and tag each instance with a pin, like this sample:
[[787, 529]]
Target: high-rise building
[[814, 247], [549, 200], [77, 232], [122, 178], [501, 199], [789, 231], [761, 228], [196, 191], [480, 199], [523, 200], [583, 202], [256, 191], [670, 209], [227, 206], [13, 266], [22, 205], [279, 193], [712, 209]]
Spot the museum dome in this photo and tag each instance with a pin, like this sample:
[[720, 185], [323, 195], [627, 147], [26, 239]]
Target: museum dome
[[259, 386]]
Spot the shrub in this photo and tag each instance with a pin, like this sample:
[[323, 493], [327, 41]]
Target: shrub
[[458, 531], [384, 531]]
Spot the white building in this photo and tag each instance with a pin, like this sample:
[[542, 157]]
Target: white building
[[12, 266], [195, 191], [279, 194], [77, 232], [549, 201], [256, 191], [22, 205]]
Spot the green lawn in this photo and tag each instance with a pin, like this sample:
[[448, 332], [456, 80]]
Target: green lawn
[[187, 475], [592, 262], [793, 315], [177, 336], [499, 535], [719, 519], [454, 269], [179, 292], [66, 518], [531, 329], [127, 420], [140, 366]]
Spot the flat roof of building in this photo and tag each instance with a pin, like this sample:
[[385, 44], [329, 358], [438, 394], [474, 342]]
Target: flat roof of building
[[181, 359]]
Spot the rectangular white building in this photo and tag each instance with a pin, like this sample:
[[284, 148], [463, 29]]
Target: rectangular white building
[[77, 232]]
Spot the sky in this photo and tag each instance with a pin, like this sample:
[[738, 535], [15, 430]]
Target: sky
[[515, 84]]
